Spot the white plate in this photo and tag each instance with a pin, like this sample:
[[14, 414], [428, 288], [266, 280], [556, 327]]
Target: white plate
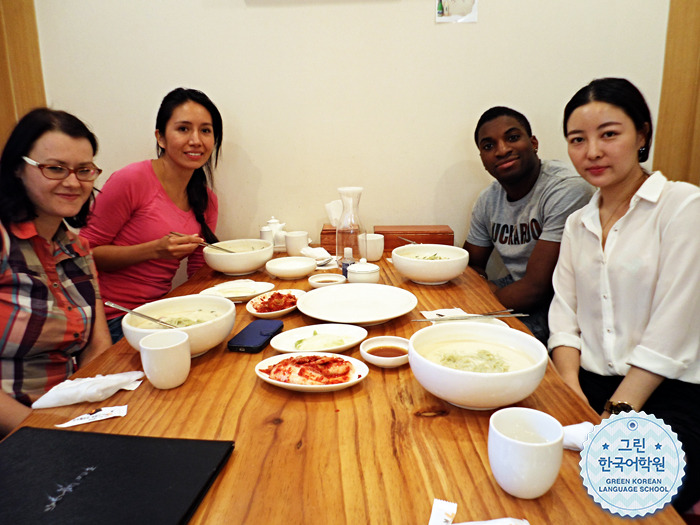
[[357, 303], [361, 371], [352, 334], [240, 290], [278, 313]]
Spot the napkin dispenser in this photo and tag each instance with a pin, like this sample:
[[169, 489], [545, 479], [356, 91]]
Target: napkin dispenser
[[423, 234]]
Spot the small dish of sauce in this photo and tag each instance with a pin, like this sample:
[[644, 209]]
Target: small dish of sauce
[[388, 351], [385, 351]]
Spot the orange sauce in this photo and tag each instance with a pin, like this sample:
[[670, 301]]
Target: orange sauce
[[387, 351]]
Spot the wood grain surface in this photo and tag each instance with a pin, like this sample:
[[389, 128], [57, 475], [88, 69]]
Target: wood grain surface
[[378, 452]]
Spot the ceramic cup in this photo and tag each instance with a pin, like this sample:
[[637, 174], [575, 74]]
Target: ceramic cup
[[525, 451], [373, 248], [296, 241], [165, 356]]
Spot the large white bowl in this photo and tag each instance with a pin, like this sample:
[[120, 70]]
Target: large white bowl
[[251, 255], [410, 261], [203, 336], [475, 390]]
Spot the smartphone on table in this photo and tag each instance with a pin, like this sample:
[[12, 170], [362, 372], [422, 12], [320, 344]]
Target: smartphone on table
[[256, 336]]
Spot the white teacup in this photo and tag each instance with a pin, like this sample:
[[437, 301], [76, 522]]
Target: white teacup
[[525, 451], [371, 246], [296, 241], [166, 358]]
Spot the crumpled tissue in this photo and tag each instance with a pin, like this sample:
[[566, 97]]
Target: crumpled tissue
[[575, 435], [88, 389]]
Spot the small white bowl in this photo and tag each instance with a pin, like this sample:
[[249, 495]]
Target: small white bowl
[[291, 267], [250, 305], [384, 340], [250, 255], [413, 262], [319, 280]]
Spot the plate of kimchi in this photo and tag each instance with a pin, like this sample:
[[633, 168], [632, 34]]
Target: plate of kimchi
[[312, 371], [274, 304]]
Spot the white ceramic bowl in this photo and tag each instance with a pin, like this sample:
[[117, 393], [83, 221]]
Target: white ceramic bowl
[[291, 267], [319, 280], [412, 261], [251, 255], [203, 336], [384, 340], [475, 390]]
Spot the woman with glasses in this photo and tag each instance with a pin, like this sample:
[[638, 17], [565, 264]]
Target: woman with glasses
[[51, 314], [141, 204]]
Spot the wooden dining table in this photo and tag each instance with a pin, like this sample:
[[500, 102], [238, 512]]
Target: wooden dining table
[[378, 452]]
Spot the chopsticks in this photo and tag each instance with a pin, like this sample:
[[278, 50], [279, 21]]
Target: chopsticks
[[468, 317], [204, 243]]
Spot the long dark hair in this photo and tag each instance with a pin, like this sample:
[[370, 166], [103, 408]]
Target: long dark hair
[[203, 177], [15, 204], [621, 93]]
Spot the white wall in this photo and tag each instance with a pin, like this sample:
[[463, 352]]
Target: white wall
[[317, 94]]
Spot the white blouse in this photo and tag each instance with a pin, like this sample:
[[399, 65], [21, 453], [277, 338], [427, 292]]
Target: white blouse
[[636, 302]]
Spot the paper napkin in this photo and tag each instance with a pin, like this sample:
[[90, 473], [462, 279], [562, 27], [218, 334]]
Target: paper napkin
[[89, 389], [443, 512], [575, 435]]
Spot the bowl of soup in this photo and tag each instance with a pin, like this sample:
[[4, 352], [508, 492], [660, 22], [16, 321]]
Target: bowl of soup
[[429, 263], [207, 319], [247, 256], [476, 365]]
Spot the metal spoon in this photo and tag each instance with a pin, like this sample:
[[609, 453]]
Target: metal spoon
[[139, 314], [204, 243], [407, 240]]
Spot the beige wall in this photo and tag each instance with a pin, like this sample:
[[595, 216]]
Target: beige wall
[[317, 94]]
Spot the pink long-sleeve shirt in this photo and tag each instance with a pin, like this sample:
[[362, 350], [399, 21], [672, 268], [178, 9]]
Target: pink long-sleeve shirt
[[133, 208]]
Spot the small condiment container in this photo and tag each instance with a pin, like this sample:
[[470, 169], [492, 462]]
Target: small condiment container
[[385, 351], [363, 272]]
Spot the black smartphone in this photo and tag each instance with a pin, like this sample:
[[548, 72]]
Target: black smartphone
[[256, 336]]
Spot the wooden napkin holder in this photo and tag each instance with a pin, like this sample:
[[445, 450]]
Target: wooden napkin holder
[[425, 234]]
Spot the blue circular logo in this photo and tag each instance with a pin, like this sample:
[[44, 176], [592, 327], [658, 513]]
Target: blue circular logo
[[632, 464]]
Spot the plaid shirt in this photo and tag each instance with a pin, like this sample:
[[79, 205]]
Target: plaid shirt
[[47, 295]]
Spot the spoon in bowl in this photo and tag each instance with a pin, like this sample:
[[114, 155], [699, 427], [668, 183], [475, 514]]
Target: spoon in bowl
[[139, 314]]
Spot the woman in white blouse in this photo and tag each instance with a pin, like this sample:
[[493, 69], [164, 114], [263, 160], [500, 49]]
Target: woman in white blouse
[[625, 318]]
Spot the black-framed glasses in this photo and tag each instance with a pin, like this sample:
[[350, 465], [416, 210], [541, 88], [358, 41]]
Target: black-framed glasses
[[58, 172]]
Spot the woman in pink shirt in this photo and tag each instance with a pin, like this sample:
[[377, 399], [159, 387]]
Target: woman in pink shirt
[[140, 205]]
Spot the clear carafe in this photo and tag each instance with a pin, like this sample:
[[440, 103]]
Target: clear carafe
[[347, 233]]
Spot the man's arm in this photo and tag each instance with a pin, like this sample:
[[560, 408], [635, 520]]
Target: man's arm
[[478, 257], [535, 288]]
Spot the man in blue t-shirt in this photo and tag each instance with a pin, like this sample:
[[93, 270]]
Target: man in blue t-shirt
[[521, 214]]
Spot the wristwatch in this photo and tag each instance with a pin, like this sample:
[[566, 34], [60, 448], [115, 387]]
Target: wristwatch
[[615, 407]]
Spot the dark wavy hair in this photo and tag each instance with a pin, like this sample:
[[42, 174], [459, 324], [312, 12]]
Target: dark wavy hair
[[621, 93], [501, 111], [203, 177], [15, 205]]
